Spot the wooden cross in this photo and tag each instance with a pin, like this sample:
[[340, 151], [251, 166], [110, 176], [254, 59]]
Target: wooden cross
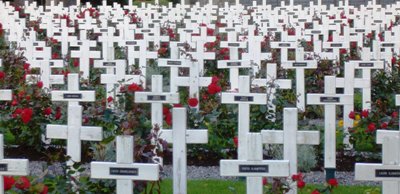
[[84, 53], [11, 167], [290, 137], [330, 99], [300, 65], [200, 55], [180, 136], [389, 171], [45, 75], [64, 36], [124, 170], [272, 83], [74, 132], [156, 97], [233, 63], [254, 167], [244, 99]]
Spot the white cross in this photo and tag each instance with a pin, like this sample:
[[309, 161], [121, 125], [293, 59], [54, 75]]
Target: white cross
[[272, 83], [330, 99], [254, 167], [124, 170], [254, 53], [156, 97], [11, 167], [300, 65], [200, 55], [45, 75], [244, 99], [389, 171], [143, 54], [84, 53], [74, 132], [64, 36], [284, 47], [290, 137]]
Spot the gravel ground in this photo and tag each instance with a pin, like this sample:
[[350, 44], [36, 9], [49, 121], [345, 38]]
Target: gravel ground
[[201, 172]]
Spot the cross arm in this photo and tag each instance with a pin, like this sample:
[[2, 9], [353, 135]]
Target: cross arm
[[6, 95], [87, 133], [223, 64], [15, 167], [376, 172], [193, 136], [302, 137], [173, 62], [334, 99], [146, 97], [237, 98], [134, 171], [312, 64], [77, 96]]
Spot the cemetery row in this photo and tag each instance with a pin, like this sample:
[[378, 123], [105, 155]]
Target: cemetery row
[[101, 66]]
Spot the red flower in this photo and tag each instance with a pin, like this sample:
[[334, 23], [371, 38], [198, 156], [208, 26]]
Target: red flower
[[23, 183], [26, 115], [28, 97], [214, 79], [394, 60], [384, 125], [395, 115], [2, 75], [291, 32], [76, 63], [39, 84], [371, 127], [223, 51], [17, 112], [333, 182], [162, 51], [352, 115], [14, 103], [236, 141], [315, 192], [58, 115], [26, 66], [134, 87], [297, 177], [264, 181], [168, 119], [45, 190], [9, 182], [365, 113], [226, 57], [330, 38], [213, 88], [110, 99], [165, 110], [210, 31], [47, 111], [342, 51], [193, 102], [301, 184], [54, 56]]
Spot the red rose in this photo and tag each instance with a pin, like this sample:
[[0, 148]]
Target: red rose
[[330, 38], [17, 112], [394, 60], [193, 102], [213, 88], [39, 84], [162, 51], [226, 57], [9, 182], [54, 56], [301, 184], [210, 31], [384, 125], [168, 119], [26, 115], [352, 115], [343, 51], [297, 177], [333, 182], [165, 110], [76, 63], [110, 99], [23, 183], [236, 141], [134, 87], [264, 181], [291, 32], [315, 192], [2, 75], [371, 127], [14, 103], [365, 113], [214, 79], [44, 190], [395, 115], [47, 111], [26, 66], [58, 115]]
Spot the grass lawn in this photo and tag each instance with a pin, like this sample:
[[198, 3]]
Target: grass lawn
[[239, 187]]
